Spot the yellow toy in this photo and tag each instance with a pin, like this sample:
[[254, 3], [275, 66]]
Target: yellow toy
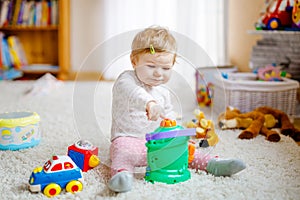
[[205, 130], [204, 94], [296, 14]]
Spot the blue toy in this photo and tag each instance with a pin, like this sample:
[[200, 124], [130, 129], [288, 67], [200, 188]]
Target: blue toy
[[84, 154], [19, 130], [58, 173]]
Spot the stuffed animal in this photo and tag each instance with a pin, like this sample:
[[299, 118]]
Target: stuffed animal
[[205, 129], [259, 121]]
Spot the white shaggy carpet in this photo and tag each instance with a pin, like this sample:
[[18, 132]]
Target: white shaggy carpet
[[67, 114]]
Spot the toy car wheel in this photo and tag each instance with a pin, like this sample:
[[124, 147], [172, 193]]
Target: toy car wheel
[[52, 190], [74, 186], [273, 24]]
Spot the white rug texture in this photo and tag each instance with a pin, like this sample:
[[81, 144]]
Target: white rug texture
[[75, 110]]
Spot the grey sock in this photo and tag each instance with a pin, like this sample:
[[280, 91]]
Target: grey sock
[[121, 182], [224, 167]]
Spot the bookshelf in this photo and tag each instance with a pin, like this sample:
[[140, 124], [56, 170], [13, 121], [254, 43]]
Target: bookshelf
[[45, 46]]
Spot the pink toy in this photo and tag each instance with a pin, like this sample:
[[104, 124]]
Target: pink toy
[[270, 73]]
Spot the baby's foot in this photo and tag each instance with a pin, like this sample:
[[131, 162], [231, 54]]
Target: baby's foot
[[121, 182], [224, 167]]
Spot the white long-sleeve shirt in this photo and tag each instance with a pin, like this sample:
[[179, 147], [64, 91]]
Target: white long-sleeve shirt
[[130, 97]]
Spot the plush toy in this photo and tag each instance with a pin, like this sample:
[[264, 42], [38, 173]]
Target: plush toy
[[259, 121], [205, 129]]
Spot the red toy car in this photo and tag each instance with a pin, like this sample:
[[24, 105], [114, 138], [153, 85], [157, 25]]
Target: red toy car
[[277, 15]]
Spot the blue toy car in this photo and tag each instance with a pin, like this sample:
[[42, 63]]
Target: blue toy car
[[58, 173]]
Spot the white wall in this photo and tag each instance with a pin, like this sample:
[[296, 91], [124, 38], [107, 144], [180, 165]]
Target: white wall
[[89, 29], [86, 29]]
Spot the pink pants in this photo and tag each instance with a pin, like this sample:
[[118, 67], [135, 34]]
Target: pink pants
[[126, 153]]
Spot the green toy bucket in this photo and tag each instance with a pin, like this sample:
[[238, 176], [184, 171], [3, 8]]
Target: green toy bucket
[[167, 155]]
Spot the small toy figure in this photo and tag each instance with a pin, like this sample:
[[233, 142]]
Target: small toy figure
[[205, 129], [84, 154], [59, 172], [167, 153]]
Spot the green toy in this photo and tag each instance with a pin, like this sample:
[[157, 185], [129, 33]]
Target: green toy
[[167, 153]]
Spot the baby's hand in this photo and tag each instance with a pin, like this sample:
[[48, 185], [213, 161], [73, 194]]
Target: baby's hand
[[154, 111]]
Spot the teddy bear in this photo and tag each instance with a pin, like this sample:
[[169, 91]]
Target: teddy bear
[[259, 121]]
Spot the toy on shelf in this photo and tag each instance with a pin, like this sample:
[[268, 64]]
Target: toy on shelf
[[271, 73], [205, 130], [276, 15], [84, 154], [296, 14], [167, 153], [259, 121], [58, 173], [19, 130]]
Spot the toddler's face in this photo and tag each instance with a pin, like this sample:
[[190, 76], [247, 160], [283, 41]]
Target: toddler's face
[[154, 69]]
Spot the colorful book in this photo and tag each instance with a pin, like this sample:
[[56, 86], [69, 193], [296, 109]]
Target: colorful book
[[20, 51], [16, 11], [21, 12], [1, 63], [49, 22], [28, 13], [4, 12], [32, 15], [13, 52], [6, 58], [10, 12], [44, 13], [54, 12]]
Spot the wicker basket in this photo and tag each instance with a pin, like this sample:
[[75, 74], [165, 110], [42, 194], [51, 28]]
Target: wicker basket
[[247, 95]]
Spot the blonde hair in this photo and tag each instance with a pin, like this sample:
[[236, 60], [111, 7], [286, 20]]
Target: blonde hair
[[160, 38]]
